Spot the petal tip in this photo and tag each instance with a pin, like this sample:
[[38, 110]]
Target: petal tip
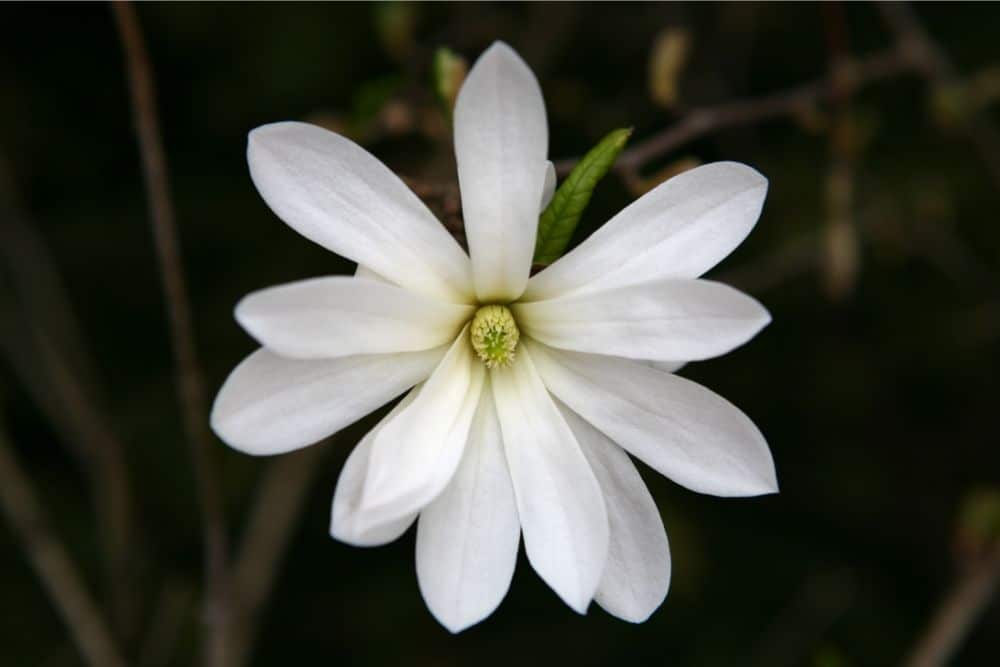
[[501, 48], [751, 174], [766, 485], [580, 606], [230, 435], [773, 487], [242, 315], [761, 319], [262, 133], [270, 135], [634, 618], [635, 610], [334, 526], [357, 529], [223, 429], [454, 626], [454, 621], [501, 54]]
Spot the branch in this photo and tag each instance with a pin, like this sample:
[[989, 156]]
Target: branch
[[933, 62], [187, 370], [46, 349], [792, 259], [272, 522], [166, 625], [856, 74], [52, 564], [841, 253], [958, 613]]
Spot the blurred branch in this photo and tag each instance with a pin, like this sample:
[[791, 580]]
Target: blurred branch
[[280, 498], [824, 596], [52, 564], [172, 609], [841, 256], [47, 352], [958, 612], [934, 64], [942, 247], [36, 280], [928, 237], [792, 259], [914, 52], [697, 123], [187, 369]]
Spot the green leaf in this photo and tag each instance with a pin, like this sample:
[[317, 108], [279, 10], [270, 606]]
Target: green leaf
[[560, 217]]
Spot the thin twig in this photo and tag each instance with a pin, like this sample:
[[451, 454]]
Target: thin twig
[[935, 64], [958, 613], [701, 122], [52, 563], [46, 349], [928, 238], [173, 609], [793, 258], [272, 522], [188, 373], [823, 597], [841, 256]]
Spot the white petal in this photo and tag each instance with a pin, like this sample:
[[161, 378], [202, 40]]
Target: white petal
[[270, 404], [559, 501], [637, 575], [548, 186], [335, 193], [666, 366], [467, 537], [364, 272], [501, 140], [340, 316], [680, 229], [679, 428], [664, 320], [344, 517], [416, 453]]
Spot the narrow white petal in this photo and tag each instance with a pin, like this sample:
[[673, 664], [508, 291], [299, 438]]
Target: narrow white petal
[[345, 524], [559, 501], [467, 537], [663, 320], [680, 229], [270, 404], [416, 453], [549, 185], [341, 316], [501, 141], [679, 428], [637, 575], [338, 195]]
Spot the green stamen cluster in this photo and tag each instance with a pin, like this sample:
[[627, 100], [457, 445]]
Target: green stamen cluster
[[494, 335]]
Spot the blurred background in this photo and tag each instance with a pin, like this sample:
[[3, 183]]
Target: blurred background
[[878, 254]]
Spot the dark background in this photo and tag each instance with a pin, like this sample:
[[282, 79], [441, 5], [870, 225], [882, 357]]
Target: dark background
[[876, 387]]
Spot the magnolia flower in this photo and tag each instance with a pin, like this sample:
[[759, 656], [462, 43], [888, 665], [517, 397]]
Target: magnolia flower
[[524, 395]]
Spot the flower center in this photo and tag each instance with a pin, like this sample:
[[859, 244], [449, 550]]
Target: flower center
[[494, 335]]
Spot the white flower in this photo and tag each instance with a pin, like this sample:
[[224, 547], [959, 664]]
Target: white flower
[[527, 393]]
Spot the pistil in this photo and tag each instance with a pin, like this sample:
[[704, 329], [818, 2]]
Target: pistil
[[494, 335]]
